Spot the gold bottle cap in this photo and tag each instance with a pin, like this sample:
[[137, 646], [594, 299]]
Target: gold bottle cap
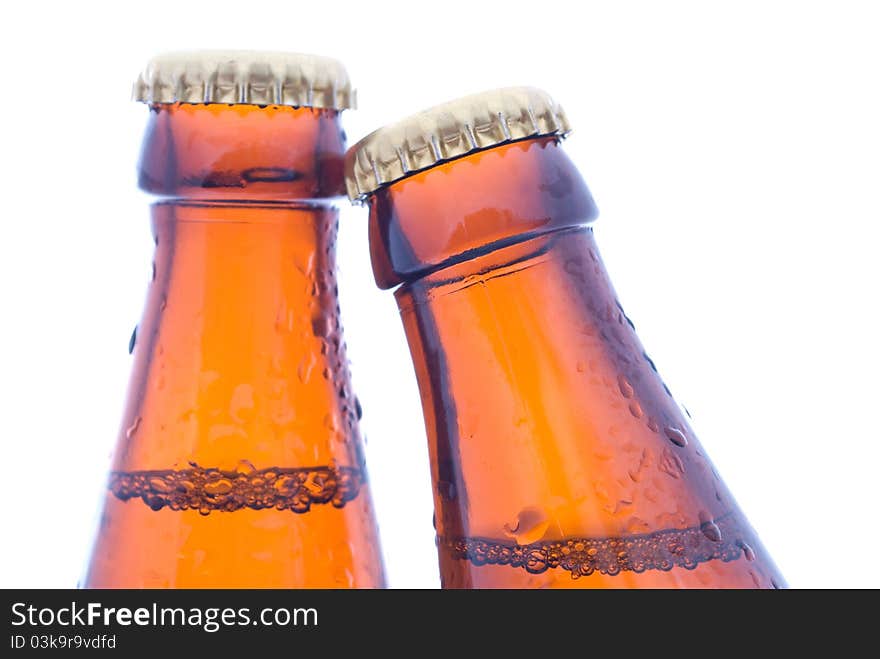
[[449, 131], [247, 77]]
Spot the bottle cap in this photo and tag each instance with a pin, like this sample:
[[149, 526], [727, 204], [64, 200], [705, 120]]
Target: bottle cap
[[245, 77], [447, 131]]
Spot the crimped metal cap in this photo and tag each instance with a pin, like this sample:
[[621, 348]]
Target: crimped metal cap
[[251, 77], [448, 131]]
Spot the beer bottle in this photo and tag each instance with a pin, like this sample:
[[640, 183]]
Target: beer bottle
[[559, 458], [239, 461]]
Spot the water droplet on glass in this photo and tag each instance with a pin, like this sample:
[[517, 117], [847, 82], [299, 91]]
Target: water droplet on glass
[[755, 579], [446, 489], [574, 267], [675, 436], [322, 326], [600, 490], [710, 530], [635, 474], [306, 266], [132, 429], [636, 410], [625, 387], [358, 410], [530, 526], [671, 464], [330, 422], [304, 370], [748, 552], [133, 340]]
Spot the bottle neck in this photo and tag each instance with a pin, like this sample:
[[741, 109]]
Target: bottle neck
[[240, 345], [242, 315], [546, 419], [556, 449], [455, 210], [242, 152], [239, 461]]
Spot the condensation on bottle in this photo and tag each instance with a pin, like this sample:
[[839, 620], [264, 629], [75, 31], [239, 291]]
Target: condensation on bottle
[[226, 472], [571, 464]]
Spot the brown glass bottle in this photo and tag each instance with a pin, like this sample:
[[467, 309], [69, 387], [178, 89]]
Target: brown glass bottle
[[239, 462], [559, 458]]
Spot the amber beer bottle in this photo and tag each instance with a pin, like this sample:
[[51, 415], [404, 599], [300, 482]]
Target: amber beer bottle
[[559, 458], [239, 461]]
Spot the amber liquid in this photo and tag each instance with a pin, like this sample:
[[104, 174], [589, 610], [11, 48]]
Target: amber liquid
[[559, 458], [239, 461]]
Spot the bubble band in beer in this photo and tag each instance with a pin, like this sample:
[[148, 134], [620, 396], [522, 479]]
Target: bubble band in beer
[[720, 539], [209, 489]]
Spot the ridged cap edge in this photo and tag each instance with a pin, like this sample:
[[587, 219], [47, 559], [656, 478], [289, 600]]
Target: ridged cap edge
[[449, 131], [245, 77]]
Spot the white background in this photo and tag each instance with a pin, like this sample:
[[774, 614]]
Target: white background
[[733, 149]]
